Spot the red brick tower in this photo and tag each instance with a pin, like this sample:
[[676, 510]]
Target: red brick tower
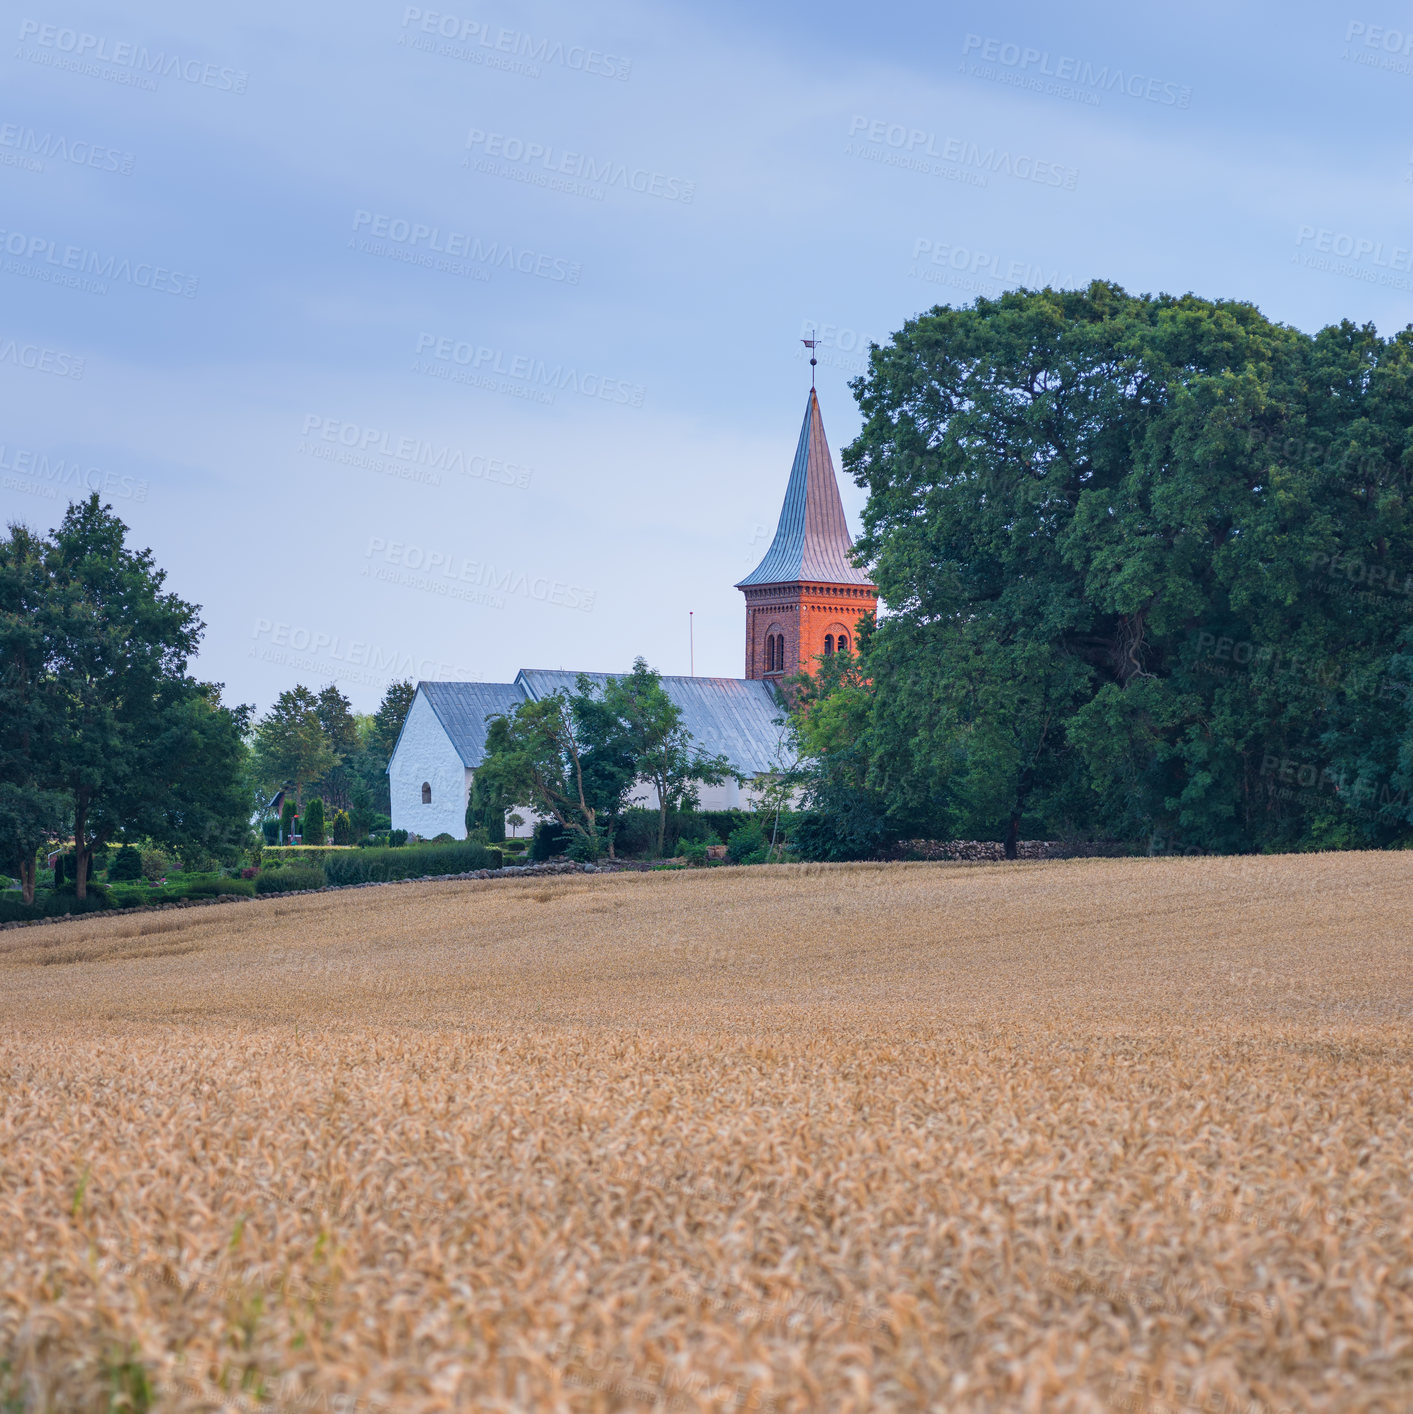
[[806, 596]]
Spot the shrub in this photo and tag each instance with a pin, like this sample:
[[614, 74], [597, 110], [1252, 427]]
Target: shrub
[[55, 906], [342, 828], [127, 865], [375, 866], [154, 864], [397, 838], [289, 878], [747, 844], [214, 888], [313, 831], [271, 830], [694, 851], [584, 849], [550, 839], [443, 838]]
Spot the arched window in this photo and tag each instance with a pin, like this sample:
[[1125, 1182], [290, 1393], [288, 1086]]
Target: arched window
[[843, 643], [828, 643], [776, 657], [426, 792]]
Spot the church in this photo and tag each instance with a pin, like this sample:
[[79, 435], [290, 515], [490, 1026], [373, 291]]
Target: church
[[803, 600]]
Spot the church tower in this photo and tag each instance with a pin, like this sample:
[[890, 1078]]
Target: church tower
[[806, 596]]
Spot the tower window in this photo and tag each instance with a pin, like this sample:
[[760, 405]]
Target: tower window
[[426, 792], [828, 643], [843, 643]]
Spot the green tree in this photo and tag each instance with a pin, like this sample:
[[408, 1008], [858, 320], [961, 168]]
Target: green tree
[[335, 714], [657, 745], [30, 816], [135, 745], [291, 745], [539, 755], [1079, 501], [313, 832], [391, 714]]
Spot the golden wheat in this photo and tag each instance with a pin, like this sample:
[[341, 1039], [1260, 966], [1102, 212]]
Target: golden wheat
[[1088, 1135]]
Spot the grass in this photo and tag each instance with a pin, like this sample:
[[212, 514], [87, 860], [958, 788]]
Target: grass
[[1087, 1135]]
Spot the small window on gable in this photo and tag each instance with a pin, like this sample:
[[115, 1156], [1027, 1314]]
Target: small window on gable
[[426, 792]]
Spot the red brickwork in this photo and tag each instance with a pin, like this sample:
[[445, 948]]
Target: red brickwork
[[787, 624]]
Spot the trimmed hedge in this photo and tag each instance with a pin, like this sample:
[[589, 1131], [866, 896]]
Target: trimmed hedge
[[301, 853], [54, 906], [288, 879], [379, 866]]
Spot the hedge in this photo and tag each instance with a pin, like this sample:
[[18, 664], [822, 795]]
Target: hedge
[[54, 906], [301, 853], [378, 866], [294, 876]]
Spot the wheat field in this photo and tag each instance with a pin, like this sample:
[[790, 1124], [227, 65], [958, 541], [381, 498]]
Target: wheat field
[[1087, 1135]]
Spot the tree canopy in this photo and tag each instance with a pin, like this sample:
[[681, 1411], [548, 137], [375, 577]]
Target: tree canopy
[[104, 732], [1148, 567]]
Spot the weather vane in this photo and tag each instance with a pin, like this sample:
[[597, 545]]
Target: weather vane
[[811, 345]]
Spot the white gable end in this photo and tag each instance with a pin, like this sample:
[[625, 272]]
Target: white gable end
[[425, 756]]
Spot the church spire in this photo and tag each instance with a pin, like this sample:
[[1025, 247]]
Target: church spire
[[811, 542], [806, 598]]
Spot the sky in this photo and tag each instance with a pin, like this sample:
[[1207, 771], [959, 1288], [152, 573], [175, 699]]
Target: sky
[[438, 343]]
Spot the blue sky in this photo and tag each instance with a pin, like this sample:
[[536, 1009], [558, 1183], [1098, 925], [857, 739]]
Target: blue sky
[[438, 342]]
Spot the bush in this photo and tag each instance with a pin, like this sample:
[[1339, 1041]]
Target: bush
[[342, 828], [214, 888], [584, 849], [289, 878], [397, 838], [271, 830], [154, 864], [378, 866], [694, 851], [443, 838], [313, 831], [54, 906], [550, 839], [748, 844], [127, 865], [288, 813]]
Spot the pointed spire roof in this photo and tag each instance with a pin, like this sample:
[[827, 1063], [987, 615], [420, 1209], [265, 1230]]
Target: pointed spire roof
[[812, 540]]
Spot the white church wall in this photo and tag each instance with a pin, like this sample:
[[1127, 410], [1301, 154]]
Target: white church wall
[[425, 755]]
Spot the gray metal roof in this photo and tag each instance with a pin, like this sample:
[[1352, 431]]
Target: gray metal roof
[[462, 709], [812, 539], [730, 717]]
